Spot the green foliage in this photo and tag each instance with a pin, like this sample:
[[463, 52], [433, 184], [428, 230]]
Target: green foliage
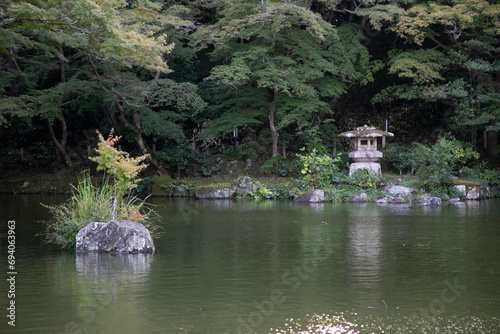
[[345, 193], [262, 193], [176, 157], [283, 168], [117, 31], [454, 153], [318, 170], [437, 164], [454, 193], [169, 104], [227, 121], [282, 192], [89, 203], [422, 66], [400, 157], [251, 150], [270, 164], [446, 153], [380, 14], [214, 167], [361, 179], [465, 33], [432, 178], [482, 175], [285, 55], [278, 192], [85, 64], [417, 22]]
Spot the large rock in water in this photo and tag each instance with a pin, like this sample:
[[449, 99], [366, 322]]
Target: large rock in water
[[115, 236]]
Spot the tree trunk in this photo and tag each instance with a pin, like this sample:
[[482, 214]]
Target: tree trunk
[[492, 139], [60, 145], [274, 132], [473, 136], [136, 128]]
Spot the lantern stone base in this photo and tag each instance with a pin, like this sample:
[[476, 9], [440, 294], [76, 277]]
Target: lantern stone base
[[370, 167]]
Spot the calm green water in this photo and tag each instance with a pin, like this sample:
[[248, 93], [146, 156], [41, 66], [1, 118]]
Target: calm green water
[[266, 267]]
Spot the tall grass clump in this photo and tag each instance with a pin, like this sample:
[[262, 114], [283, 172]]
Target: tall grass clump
[[112, 200]]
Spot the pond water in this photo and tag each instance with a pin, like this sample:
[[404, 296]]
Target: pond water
[[265, 267]]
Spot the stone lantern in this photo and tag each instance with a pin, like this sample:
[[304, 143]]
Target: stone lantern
[[365, 154]]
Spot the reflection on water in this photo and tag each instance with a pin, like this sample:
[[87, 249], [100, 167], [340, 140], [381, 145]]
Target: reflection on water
[[110, 286], [355, 323], [365, 244], [126, 265], [265, 266]]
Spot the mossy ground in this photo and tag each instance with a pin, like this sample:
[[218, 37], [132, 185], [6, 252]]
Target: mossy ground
[[25, 181], [39, 183]]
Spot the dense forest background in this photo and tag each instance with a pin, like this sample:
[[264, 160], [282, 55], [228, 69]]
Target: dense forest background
[[185, 79]]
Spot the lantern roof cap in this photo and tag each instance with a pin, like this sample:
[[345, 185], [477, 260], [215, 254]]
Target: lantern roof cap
[[366, 131]]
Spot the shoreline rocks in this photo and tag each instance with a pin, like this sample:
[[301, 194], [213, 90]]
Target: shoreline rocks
[[427, 200], [400, 191], [312, 196], [359, 198], [214, 192], [244, 185]]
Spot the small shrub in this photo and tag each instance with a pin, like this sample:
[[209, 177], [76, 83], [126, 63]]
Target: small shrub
[[398, 156], [471, 173], [318, 170], [437, 164], [300, 185], [250, 150], [262, 193], [434, 178], [270, 164], [442, 193], [344, 193], [412, 183], [446, 153], [341, 194], [119, 165], [283, 168], [491, 177], [282, 192], [143, 184], [176, 157], [362, 179], [455, 193]]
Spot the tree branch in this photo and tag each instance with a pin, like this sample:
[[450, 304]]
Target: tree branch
[[437, 42], [124, 99]]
